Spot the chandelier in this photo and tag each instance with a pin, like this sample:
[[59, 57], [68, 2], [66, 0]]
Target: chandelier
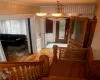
[[58, 12]]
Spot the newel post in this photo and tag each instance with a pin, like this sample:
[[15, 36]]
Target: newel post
[[45, 60], [55, 48]]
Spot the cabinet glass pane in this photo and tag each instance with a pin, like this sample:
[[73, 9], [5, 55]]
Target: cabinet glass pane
[[77, 30], [62, 29]]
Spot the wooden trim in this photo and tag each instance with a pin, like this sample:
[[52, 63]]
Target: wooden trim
[[91, 31], [65, 40], [89, 60], [16, 64], [80, 44]]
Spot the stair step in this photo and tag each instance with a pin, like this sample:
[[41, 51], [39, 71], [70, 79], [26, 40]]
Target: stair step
[[73, 69], [60, 78]]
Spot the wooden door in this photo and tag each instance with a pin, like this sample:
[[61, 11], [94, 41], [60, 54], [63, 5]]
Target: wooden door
[[62, 28], [77, 32]]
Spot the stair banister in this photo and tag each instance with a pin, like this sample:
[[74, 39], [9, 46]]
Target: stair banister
[[55, 49], [24, 70]]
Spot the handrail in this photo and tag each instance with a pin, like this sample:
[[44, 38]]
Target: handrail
[[24, 70], [79, 53]]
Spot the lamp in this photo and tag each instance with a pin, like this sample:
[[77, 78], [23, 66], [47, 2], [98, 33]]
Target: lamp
[[41, 14], [59, 10], [58, 13]]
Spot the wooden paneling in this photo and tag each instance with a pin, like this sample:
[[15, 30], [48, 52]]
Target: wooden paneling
[[69, 69], [73, 53], [92, 67]]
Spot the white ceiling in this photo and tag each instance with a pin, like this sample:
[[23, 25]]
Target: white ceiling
[[51, 2]]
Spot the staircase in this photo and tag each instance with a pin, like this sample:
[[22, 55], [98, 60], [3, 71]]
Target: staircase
[[73, 68], [69, 69]]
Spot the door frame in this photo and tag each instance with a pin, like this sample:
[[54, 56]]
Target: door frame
[[65, 40], [76, 43]]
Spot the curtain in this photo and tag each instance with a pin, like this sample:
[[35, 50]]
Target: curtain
[[13, 26], [2, 55]]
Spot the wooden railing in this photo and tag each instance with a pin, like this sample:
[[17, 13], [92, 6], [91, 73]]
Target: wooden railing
[[92, 66], [66, 53], [24, 70]]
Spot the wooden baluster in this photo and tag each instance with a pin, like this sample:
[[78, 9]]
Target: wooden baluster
[[30, 72], [33, 72], [1, 78], [12, 74], [45, 60], [8, 73], [22, 72], [41, 69], [37, 71], [4, 74], [26, 73], [15, 73], [55, 47]]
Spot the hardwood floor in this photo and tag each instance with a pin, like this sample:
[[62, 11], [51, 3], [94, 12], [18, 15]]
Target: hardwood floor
[[18, 56], [35, 57]]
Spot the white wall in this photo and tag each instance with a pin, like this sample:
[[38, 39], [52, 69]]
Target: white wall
[[42, 27], [96, 39], [36, 34]]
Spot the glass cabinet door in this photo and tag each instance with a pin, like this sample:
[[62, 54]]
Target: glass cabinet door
[[78, 31]]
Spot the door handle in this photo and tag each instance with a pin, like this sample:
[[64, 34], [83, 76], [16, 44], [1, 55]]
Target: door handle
[[67, 32]]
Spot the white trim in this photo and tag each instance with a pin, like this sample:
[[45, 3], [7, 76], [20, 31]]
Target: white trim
[[27, 30], [15, 16]]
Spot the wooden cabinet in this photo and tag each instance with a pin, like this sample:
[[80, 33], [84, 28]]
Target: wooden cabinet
[[81, 32]]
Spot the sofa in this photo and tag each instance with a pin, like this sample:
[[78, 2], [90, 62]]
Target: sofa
[[12, 39]]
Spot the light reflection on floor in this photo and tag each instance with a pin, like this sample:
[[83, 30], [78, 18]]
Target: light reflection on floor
[[50, 45]]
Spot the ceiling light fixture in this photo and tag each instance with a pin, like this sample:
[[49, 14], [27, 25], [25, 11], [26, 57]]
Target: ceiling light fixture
[[41, 14], [58, 12]]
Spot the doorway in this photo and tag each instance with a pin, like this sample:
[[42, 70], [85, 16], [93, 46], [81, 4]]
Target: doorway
[[56, 33], [14, 37], [61, 31]]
